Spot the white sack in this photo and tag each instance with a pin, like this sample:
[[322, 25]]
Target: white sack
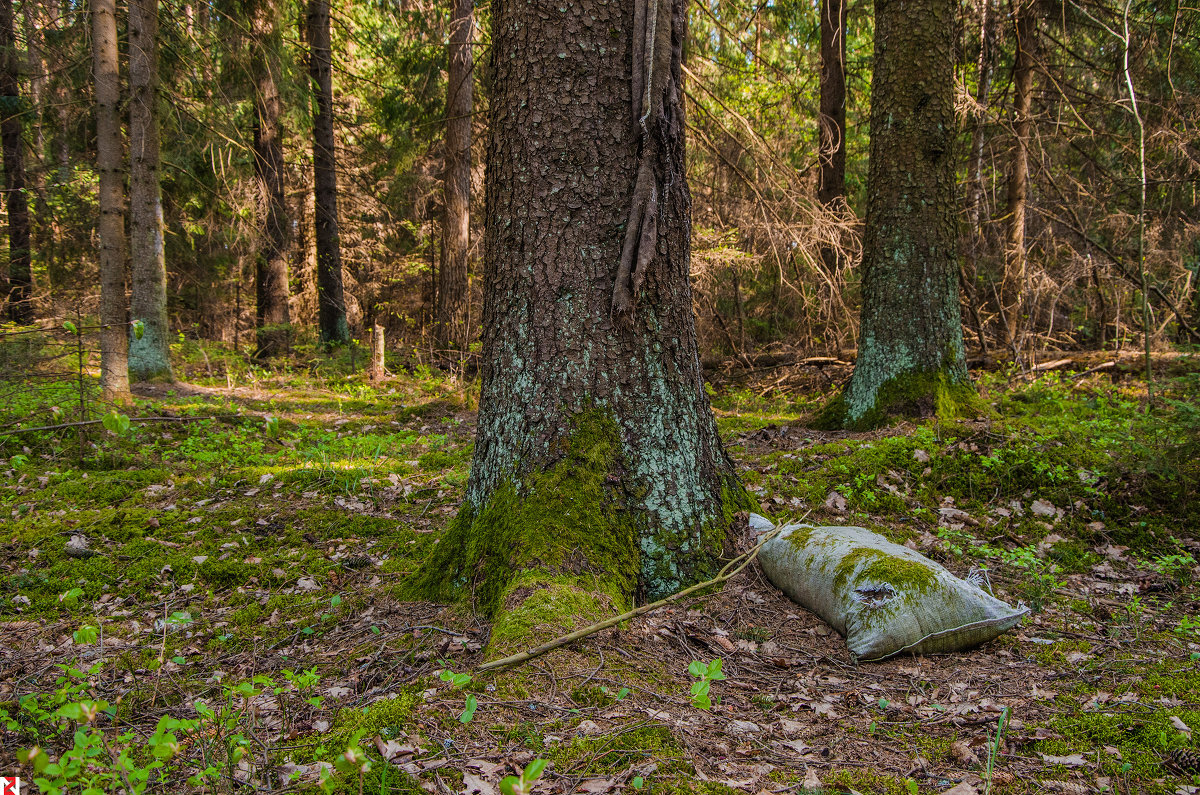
[[884, 598]]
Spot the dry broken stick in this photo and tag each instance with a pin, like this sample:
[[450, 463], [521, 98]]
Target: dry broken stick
[[730, 570]]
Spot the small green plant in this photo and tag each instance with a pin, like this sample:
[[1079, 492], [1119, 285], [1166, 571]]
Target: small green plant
[[469, 712], [706, 674], [523, 784], [1178, 568], [994, 750], [139, 329], [116, 423], [456, 680]]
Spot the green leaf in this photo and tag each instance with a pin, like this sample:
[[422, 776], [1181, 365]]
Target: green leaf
[[469, 712], [637, 782], [508, 785], [85, 635], [533, 771], [69, 326], [624, 691], [697, 668], [139, 329], [116, 422]]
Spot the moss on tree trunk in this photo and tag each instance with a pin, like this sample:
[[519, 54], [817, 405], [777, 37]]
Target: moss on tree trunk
[[598, 475], [910, 348]]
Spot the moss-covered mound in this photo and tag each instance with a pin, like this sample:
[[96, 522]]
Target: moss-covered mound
[[561, 541], [922, 395]]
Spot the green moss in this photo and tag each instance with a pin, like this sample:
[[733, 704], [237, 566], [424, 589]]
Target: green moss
[[539, 607], [1143, 739], [865, 781], [930, 393], [609, 753], [879, 566], [386, 718], [563, 521], [1055, 654]]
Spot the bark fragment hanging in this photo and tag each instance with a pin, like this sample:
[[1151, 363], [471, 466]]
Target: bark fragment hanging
[[651, 79]]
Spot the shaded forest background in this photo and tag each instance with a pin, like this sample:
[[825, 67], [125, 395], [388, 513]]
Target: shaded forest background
[[774, 258]]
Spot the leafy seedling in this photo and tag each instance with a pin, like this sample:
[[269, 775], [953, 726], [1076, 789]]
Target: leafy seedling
[[469, 712], [706, 673], [523, 784], [116, 423]]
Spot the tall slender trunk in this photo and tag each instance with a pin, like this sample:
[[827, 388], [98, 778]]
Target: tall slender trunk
[[832, 126], [272, 314], [331, 302], [910, 349], [149, 354], [1015, 282], [975, 183], [20, 272], [114, 339], [598, 471], [452, 296]]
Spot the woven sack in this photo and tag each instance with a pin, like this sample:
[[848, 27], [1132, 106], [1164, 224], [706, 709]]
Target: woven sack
[[884, 598]]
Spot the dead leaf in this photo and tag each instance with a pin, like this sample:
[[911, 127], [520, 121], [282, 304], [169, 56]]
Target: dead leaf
[[961, 751], [962, 788], [811, 780], [1074, 760], [597, 785], [835, 502], [307, 584], [1181, 727]]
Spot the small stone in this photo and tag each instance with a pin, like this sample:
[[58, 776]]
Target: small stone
[[742, 727]]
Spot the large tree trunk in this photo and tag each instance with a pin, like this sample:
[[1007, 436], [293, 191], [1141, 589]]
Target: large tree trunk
[[1013, 286], [149, 354], [114, 339], [331, 303], [272, 314], [598, 474], [452, 296], [20, 272], [910, 348]]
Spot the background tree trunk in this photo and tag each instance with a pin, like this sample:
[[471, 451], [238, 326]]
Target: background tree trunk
[[1012, 288], [114, 338], [149, 356], [331, 303], [832, 126], [910, 347], [598, 472], [976, 188], [452, 296], [272, 313], [20, 273]]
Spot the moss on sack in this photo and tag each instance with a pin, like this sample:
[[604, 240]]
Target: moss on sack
[[880, 567]]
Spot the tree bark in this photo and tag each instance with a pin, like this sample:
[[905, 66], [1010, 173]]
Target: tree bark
[[272, 314], [598, 473], [1013, 286], [910, 350], [149, 355], [832, 126], [331, 302], [452, 296], [20, 272], [114, 339], [976, 239]]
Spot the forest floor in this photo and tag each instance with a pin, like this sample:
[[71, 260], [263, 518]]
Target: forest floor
[[217, 604]]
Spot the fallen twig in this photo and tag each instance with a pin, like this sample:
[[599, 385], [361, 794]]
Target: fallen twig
[[131, 419], [726, 573]]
